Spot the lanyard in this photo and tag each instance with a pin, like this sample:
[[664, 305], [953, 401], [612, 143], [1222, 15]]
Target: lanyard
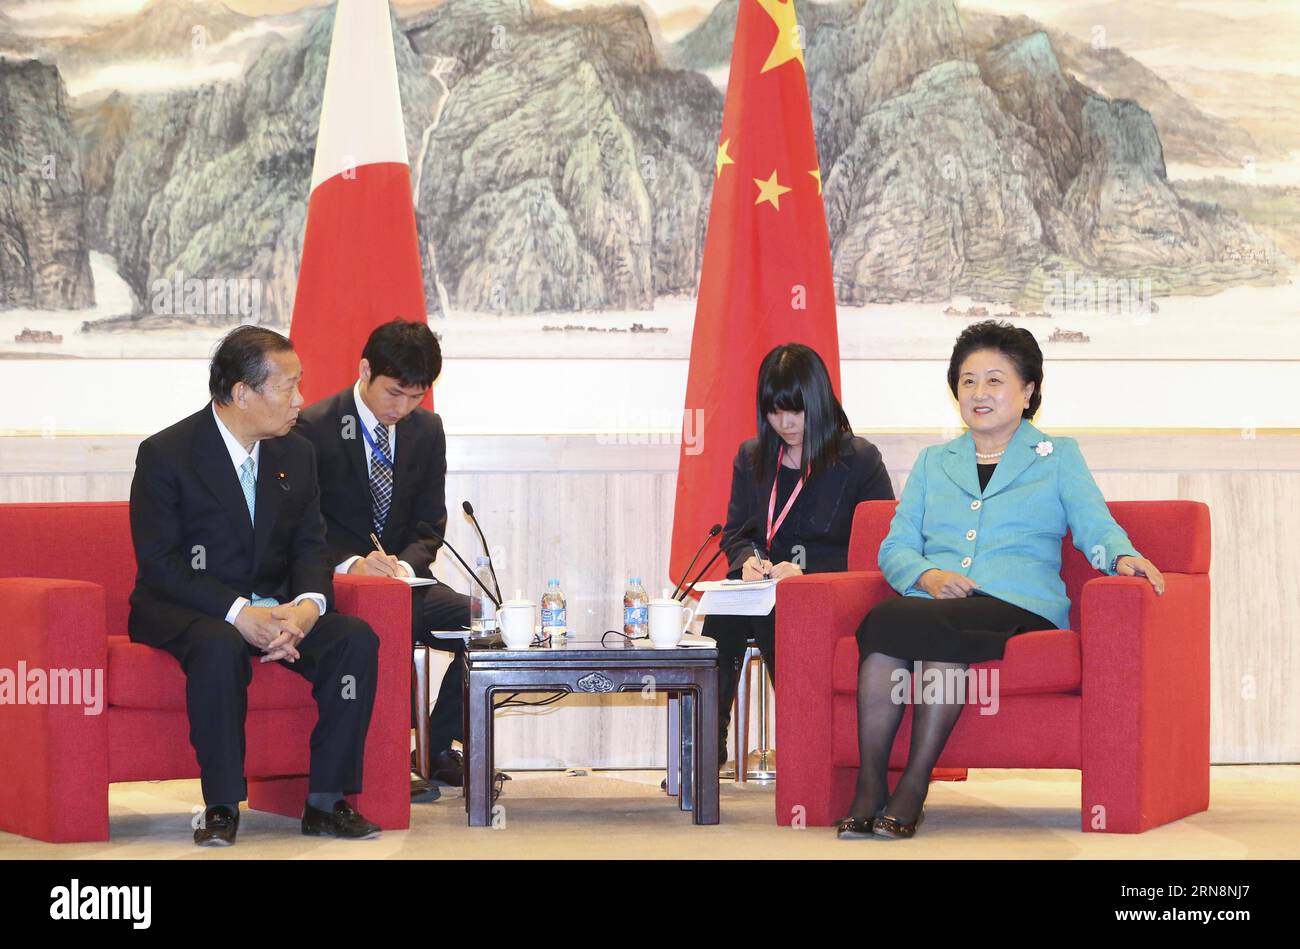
[[771, 503], [370, 440]]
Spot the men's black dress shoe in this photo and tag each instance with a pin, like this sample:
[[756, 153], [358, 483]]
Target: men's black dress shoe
[[342, 822], [422, 792], [219, 827], [448, 767]]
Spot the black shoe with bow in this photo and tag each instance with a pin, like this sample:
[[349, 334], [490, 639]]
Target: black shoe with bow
[[448, 767], [220, 824], [342, 822]]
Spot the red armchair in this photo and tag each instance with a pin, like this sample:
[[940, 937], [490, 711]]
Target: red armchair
[[56, 762], [1122, 696]]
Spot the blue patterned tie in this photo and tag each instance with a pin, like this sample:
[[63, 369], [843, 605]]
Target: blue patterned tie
[[381, 480], [248, 481]]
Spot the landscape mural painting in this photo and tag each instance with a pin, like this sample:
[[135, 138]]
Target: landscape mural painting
[[1119, 177]]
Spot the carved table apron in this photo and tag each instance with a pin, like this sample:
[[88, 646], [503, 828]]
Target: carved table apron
[[689, 677]]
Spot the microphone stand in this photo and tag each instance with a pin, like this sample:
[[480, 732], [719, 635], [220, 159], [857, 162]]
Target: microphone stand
[[714, 531], [424, 530], [469, 509], [690, 587]]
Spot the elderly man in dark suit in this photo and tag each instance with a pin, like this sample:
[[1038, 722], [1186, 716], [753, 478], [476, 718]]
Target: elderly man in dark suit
[[383, 466], [230, 548]]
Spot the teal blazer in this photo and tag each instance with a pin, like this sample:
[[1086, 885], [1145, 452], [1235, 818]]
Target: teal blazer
[[1007, 538]]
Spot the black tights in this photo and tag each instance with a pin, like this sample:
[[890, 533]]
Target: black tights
[[884, 683]]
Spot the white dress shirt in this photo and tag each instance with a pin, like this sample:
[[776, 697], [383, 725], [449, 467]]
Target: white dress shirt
[[237, 458], [369, 420]]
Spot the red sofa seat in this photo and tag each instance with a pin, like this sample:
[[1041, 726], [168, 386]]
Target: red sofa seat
[[66, 573], [148, 678], [1123, 696], [1041, 661]]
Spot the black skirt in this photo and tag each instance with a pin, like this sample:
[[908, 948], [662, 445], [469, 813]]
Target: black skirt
[[964, 629]]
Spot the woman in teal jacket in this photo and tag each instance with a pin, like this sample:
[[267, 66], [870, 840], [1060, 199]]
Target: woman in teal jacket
[[975, 549]]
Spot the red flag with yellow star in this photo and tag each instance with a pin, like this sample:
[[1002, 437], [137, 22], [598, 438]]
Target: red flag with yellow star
[[766, 276]]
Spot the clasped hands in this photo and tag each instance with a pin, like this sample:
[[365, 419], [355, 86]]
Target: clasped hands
[[277, 630], [756, 569]]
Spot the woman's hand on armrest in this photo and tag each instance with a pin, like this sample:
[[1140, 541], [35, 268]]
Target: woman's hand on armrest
[[1141, 567]]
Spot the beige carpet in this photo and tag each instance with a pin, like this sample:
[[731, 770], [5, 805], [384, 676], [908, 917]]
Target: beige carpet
[[1254, 813]]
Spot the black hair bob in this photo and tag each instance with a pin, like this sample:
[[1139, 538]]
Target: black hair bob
[[1016, 344], [793, 378]]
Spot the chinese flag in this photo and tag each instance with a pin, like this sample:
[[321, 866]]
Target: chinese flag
[[360, 255], [766, 276]]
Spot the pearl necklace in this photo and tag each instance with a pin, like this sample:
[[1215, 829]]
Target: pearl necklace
[[990, 454]]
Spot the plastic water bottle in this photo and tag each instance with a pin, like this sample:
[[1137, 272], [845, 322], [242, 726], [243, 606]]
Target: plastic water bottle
[[554, 615], [482, 611], [636, 609]]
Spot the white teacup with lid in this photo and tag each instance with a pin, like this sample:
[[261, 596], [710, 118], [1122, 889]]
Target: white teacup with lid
[[517, 619], [669, 620]]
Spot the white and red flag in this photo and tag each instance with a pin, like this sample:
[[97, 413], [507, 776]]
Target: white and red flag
[[360, 256]]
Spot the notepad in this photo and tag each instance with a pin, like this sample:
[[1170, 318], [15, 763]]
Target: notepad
[[417, 581], [738, 597]]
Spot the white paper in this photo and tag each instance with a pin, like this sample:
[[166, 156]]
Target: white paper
[[738, 597], [688, 641], [710, 585], [417, 581]]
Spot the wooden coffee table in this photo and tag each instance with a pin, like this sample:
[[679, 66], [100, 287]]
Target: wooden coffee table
[[688, 675]]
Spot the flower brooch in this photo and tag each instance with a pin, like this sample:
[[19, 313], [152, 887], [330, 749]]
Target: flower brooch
[[1043, 448]]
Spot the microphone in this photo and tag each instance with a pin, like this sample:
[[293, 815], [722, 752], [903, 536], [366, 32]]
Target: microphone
[[428, 533], [714, 531], [742, 537], [469, 509]]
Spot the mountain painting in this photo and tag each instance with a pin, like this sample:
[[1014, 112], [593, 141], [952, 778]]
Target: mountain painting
[[1118, 176]]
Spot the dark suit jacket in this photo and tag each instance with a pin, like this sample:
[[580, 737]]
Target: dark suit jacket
[[822, 516], [196, 551], [333, 425]]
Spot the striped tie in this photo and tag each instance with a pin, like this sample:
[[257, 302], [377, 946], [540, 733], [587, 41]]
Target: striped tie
[[381, 480]]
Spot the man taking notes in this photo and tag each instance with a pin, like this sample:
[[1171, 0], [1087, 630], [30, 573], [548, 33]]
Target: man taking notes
[[383, 465], [230, 549]]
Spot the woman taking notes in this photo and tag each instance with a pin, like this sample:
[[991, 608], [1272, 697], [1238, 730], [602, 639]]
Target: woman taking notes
[[795, 487], [975, 549]]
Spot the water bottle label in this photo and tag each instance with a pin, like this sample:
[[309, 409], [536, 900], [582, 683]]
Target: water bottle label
[[636, 615], [552, 617]]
